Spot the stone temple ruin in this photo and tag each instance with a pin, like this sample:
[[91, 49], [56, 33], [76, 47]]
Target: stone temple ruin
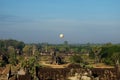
[[55, 59], [71, 72]]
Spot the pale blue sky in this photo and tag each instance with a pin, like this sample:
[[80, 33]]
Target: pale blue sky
[[81, 21]]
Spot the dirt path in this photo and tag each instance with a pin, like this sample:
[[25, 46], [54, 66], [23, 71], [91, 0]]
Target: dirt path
[[54, 65], [102, 65]]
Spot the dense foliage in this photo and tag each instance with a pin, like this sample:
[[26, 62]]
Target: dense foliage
[[10, 50], [76, 59]]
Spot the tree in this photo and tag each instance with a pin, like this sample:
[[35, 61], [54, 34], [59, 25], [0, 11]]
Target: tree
[[62, 49], [11, 49], [27, 50], [84, 51], [109, 53], [65, 42], [12, 55], [2, 63], [116, 57], [30, 64], [76, 59]]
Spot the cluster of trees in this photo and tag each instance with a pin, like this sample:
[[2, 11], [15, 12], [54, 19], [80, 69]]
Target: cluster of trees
[[102, 53], [9, 49], [4, 44], [110, 53]]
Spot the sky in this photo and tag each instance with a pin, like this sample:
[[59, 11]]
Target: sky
[[81, 21]]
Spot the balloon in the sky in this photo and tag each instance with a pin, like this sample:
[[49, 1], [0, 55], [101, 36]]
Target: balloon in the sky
[[61, 36]]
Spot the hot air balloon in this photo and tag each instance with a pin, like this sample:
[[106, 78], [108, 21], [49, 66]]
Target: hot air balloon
[[61, 36]]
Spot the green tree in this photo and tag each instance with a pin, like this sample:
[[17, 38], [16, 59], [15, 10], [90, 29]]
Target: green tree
[[62, 49], [30, 64], [11, 49], [2, 63], [65, 42], [76, 59], [28, 50], [84, 51], [109, 52], [116, 57], [12, 55]]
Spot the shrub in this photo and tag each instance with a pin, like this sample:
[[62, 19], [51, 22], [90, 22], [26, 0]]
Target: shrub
[[76, 59]]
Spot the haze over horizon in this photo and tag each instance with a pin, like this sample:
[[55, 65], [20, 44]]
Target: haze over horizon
[[81, 21]]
